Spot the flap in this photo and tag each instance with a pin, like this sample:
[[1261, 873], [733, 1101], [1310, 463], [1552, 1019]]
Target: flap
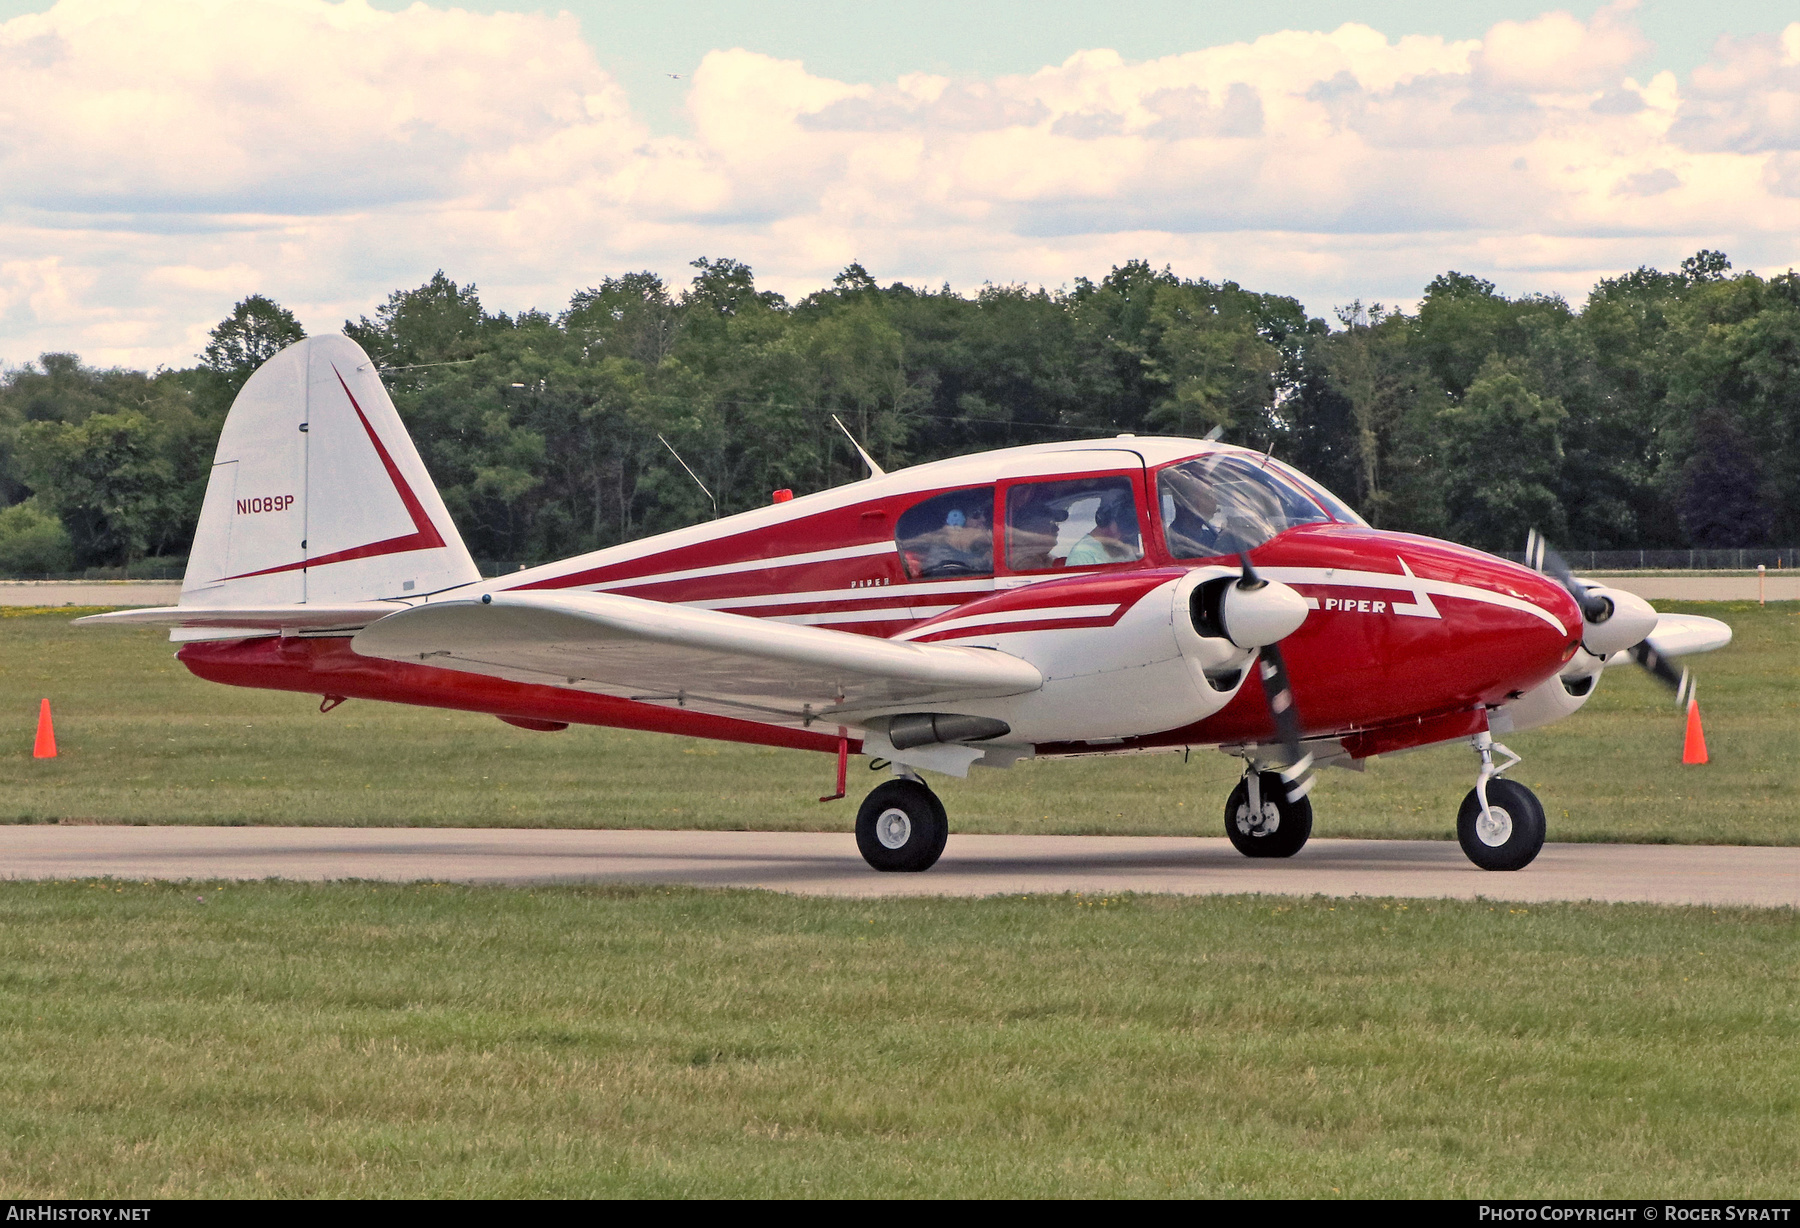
[[708, 660]]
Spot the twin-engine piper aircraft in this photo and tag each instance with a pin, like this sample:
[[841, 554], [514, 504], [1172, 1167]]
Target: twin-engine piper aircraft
[[1111, 596]]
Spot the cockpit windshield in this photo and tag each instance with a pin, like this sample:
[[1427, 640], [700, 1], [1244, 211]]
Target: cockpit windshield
[[1224, 503], [1339, 510]]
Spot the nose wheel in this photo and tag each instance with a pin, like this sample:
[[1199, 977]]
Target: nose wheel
[[902, 827], [1260, 819], [1500, 824]]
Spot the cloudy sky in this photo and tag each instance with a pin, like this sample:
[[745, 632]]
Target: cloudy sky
[[160, 159]]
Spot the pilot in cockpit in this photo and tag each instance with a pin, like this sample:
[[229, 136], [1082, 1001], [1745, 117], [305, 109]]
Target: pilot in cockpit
[[962, 545], [1192, 518]]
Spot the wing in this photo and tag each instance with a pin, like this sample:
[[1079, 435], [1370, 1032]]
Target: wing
[[707, 660], [1680, 635]]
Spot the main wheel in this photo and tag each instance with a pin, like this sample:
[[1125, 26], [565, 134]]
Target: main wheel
[[902, 827], [1281, 830], [1509, 836]]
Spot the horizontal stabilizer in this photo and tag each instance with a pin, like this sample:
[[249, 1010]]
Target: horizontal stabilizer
[[266, 618], [707, 660]]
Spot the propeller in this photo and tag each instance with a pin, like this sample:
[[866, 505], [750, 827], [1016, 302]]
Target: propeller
[[1542, 559], [1297, 775], [1658, 665], [1597, 609]]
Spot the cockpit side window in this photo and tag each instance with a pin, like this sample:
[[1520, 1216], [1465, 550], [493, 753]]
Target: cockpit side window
[[1085, 522], [948, 535], [1222, 504]]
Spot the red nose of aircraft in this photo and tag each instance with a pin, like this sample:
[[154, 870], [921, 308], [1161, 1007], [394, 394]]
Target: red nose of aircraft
[[1404, 626], [1502, 628]]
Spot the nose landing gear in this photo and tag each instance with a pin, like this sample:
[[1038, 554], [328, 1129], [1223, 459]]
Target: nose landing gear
[[1500, 824]]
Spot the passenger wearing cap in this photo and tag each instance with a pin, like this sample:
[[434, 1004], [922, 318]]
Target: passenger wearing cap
[[963, 545], [1033, 529]]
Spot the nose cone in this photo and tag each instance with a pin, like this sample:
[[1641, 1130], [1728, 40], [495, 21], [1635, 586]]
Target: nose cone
[[1508, 626]]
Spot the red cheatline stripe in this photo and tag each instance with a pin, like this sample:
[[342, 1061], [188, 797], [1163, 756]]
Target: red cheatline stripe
[[1046, 624], [423, 537]]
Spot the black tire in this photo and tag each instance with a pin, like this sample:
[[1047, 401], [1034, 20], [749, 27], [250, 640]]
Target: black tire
[[1519, 837], [1282, 833], [921, 837]]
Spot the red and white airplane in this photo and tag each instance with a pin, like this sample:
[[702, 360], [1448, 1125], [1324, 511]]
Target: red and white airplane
[[1110, 596]]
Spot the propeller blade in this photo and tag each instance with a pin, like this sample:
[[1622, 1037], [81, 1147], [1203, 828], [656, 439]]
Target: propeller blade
[[1280, 694], [1541, 558], [1660, 669], [1297, 775]]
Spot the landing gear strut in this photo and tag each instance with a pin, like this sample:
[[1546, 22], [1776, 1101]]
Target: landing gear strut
[[1501, 823], [1260, 819], [902, 826]]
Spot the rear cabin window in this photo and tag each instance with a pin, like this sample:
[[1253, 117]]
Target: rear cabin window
[[948, 535], [1222, 504], [1085, 522]]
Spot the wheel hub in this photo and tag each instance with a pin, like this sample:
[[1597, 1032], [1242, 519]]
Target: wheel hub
[[1495, 827], [1263, 825], [893, 828]]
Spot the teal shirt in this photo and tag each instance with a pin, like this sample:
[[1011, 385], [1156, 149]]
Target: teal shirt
[[1091, 550]]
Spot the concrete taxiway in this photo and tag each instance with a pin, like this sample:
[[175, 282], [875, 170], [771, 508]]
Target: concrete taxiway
[[813, 863]]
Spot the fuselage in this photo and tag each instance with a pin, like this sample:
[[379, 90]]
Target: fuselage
[[1056, 552]]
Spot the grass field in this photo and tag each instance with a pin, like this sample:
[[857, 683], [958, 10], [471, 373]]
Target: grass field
[[143, 741], [434, 1040]]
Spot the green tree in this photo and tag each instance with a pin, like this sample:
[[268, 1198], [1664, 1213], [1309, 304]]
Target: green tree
[[119, 456], [1503, 445], [257, 329], [1721, 500], [33, 542]]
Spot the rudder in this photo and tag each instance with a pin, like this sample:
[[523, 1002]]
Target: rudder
[[317, 493]]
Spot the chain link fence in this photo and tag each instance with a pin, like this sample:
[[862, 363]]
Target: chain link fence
[[1747, 558]]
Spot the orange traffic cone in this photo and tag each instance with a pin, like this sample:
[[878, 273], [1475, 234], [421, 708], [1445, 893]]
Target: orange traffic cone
[[1693, 750], [45, 746]]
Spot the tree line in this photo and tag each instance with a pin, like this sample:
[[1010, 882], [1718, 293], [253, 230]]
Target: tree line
[[1664, 411]]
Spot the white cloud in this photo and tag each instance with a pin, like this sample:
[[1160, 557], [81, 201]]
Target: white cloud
[[1556, 53], [1747, 98], [158, 161]]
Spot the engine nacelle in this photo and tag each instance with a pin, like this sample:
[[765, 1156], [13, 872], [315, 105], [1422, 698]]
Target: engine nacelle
[[1628, 619], [1552, 699], [1148, 672]]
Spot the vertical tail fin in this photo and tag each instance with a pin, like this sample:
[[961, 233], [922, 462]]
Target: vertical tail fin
[[317, 493]]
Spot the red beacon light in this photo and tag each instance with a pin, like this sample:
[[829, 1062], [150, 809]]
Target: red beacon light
[[784, 496]]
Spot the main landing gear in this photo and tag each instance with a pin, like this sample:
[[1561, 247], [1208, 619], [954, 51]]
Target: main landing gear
[[902, 826], [1262, 820], [1500, 824]]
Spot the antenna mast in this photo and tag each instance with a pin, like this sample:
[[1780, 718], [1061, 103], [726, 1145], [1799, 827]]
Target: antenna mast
[[691, 474], [875, 471]]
